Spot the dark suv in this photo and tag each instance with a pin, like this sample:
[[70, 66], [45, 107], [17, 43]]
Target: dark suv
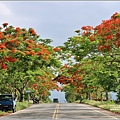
[[7, 102], [55, 100]]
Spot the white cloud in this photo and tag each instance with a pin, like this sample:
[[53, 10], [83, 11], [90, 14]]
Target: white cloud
[[4, 10], [20, 18], [56, 20]]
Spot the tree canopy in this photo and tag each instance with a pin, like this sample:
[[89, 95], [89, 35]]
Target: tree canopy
[[88, 64]]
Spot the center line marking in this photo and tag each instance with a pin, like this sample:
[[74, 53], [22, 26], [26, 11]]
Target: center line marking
[[55, 114]]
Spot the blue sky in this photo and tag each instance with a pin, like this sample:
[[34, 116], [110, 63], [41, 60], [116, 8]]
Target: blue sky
[[56, 20]]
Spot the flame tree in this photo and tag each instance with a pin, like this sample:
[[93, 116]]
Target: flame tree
[[99, 49], [23, 56]]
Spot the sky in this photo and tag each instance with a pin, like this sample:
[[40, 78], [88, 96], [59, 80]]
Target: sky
[[56, 20]]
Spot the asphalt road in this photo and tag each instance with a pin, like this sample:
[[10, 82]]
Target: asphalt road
[[61, 111]]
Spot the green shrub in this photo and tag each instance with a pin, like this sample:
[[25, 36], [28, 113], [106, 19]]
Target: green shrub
[[23, 105]]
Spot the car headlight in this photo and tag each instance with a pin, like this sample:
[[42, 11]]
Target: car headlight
[[0, 104]]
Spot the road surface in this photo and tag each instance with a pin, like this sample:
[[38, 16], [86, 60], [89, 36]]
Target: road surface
[[61, 111]]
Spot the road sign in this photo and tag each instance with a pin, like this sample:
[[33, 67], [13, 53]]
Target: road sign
[[28, 91]]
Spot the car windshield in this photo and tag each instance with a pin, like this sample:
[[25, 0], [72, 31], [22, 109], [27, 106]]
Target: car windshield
[[5, 97]]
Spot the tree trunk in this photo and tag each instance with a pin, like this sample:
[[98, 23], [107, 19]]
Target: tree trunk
[[96, 97], [81, 99], [107, 98], [21, 95], [21, 92], [87, 96], [118, 96], [101, 96]]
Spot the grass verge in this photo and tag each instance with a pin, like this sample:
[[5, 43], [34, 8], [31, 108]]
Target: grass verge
[[23, 105], [20, 106], [107, 105]]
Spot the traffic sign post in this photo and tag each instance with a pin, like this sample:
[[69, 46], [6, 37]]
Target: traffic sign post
[[28, 92]]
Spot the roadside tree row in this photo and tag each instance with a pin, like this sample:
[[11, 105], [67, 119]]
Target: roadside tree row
[[27, 62], [88, 64], [92, 61]]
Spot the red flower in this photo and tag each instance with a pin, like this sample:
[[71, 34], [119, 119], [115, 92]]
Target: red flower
[[38, 77], [100, 47], [39, 53], [118, 35], [87, 28], [114, 15], [32, 52], [30, 41], [56, 49], [31, 30], [92, 38], [117, 43], [3, 66], [47, 52], [10, 59], [2, 46], [17, 29], [108, 48], [5, 24], [109, 37], [29, 46], [0, 36]]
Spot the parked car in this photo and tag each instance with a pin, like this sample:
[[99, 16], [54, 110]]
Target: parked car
[[7, 102]]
